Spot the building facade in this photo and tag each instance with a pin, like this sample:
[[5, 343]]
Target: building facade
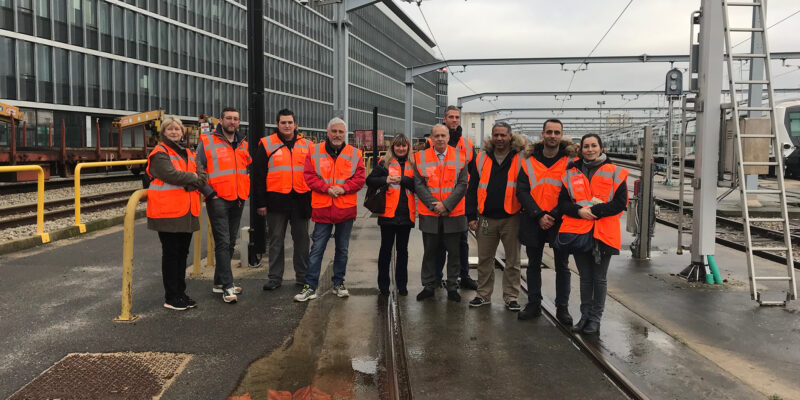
[[86, 62]]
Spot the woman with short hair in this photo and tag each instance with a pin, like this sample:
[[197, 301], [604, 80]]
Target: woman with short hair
[[396, 170], [173, 207]]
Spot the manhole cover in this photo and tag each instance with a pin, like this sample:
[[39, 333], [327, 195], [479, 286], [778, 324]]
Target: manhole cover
[[106, 376]]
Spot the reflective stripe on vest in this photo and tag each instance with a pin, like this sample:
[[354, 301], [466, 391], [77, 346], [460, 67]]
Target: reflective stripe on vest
[[605, 182], [165, 200], [510, 203], [393, 192], [545, 182], [440, 177], [285, 166], [227, 167], [334, 172]]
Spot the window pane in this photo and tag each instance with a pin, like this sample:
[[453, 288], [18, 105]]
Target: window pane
[[43, 19], [144, 88], [162, 32], [7, 14], [106, 86], [119, 85], [190, 94], [183, 103], [119, 40], [141, 21], [173, 93], [27, 75], [90, 18], [78, 83], [794, 124], [154, 90], [25, 16], [76, 21], [8, 73], [130, 33], [93, 82], [173, 48], [131, 79], [61, 67], [152, 38], [44, 73], [60, 20], [104, 26]]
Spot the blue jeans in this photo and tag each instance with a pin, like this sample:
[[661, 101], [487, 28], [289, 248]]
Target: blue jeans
[[593, 284], [225, 216], [320, 236]]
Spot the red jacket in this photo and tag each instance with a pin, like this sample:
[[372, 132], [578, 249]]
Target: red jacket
[[333, 214]]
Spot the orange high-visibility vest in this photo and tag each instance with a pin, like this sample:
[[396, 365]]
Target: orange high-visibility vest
[[227, 167], [335, 172], [285, 167], [170, 201], [604, 184], [440, 177], [393, 192], [510, 203], [545, 182]]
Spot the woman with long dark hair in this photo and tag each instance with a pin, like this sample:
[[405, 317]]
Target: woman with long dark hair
[[396, 170], [593, 196]]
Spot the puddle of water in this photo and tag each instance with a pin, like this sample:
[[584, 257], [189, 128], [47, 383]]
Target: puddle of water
[[367, 366]]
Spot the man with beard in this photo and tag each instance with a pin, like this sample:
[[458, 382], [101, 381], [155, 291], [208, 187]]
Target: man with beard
[[538, 187]]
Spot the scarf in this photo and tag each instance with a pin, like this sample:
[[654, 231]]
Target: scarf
[[589, 167]]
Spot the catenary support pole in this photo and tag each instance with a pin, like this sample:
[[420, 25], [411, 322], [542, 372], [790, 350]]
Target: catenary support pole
[[255, 107]]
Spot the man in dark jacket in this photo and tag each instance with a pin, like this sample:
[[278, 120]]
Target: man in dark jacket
[[287, 200], [538, 188], [464, 145], [492, 194]]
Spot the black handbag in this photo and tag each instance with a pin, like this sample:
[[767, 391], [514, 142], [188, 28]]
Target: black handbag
[[375, 200], [575, 242]]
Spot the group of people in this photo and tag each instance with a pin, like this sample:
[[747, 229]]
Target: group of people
[[513, 192]]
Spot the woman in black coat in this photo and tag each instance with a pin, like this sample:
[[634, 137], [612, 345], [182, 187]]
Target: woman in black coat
[[396, 170]]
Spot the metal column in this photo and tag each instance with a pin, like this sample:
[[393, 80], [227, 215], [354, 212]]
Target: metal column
[[341, 96], [257, 243], [669, 133], [645, 201], [409, 103], [707, 139]]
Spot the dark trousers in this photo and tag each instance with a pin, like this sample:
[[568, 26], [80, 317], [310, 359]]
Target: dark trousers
[[593, 284], [433, 244], [463, 258], [534, 275], [225, 217], [174, 250], [276, 221], [393, 235]]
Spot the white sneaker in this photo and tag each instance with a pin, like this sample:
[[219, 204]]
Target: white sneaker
[[306, 294], [229, 295], [218, 289], [340, 290]]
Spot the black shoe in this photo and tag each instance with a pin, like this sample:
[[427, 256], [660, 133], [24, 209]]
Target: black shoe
[[580, 325], [424, 294], [477, 302], [454, 296], [403, 292], [513, 305], [562, 315], [300, 283], [272, 285], [189, 302], [531, 311], [178, 304], [468, 283], [592, 328]]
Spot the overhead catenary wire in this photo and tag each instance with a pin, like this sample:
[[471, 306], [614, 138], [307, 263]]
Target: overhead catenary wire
[[575, 71], [770, 27]]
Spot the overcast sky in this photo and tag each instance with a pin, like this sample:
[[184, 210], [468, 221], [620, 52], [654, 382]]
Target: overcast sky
[[571, 28]]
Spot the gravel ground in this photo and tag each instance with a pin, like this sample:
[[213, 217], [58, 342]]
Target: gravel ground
[[64, 193]]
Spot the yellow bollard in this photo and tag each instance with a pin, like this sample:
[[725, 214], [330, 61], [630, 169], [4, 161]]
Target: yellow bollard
[[197, 237], [210, 260], [127, 256], [77, 180], [39, 195]]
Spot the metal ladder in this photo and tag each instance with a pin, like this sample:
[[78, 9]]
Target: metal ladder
[[755, 279]]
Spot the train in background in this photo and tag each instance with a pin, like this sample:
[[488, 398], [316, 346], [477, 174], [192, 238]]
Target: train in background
[[624, 143]]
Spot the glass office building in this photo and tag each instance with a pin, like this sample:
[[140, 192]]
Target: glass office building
[[84, 61]]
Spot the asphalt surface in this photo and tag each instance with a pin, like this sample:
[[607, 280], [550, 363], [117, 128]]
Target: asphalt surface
[[62, 298]]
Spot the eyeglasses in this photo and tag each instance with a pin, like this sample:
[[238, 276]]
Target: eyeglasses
[[552, 132]]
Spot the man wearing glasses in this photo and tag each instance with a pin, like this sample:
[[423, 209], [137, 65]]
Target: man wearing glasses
[[538, 187], [224, 156]]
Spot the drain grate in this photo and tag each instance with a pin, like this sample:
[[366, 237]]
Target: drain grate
[[106, 376]]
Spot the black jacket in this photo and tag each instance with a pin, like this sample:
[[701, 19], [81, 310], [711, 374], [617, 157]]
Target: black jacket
[[494, 206], [276, 202], [377, 178], [530, 233], [617, 204]]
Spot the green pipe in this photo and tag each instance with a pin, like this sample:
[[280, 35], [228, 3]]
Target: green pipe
[[714, 271]]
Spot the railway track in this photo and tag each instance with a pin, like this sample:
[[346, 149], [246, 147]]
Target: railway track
[[25, 214], [58, 183], [396, 385]]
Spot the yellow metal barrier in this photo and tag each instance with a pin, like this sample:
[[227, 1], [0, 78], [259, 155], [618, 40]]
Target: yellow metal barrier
[[39, 195], [82, 227], [127, 256], [198, 241], [196, 237]]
